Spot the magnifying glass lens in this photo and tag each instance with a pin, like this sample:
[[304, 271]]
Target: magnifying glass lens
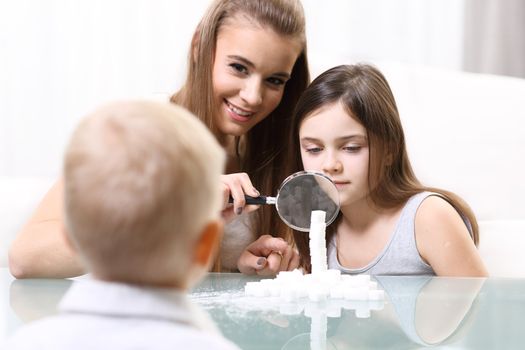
[[303, 192], [299, 195]]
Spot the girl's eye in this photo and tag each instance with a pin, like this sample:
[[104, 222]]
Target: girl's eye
[[352, 149], [276, 81], [239, 68], [313, 150]]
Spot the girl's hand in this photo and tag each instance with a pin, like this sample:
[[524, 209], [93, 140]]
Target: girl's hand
[[267, 256], [237, 186]]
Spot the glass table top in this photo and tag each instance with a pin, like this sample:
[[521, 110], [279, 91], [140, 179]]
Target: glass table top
[[418, 312]]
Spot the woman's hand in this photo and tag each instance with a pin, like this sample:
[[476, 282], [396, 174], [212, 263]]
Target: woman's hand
[[267, 256], [237, 186]]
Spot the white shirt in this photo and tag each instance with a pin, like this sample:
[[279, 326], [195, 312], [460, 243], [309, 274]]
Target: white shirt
[[238, 234], [105, 315]]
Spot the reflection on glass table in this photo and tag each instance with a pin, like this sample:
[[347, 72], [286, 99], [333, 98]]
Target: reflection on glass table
[[418, 312]]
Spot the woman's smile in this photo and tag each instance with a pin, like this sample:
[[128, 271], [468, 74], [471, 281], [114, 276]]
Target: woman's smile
[[236, 113]]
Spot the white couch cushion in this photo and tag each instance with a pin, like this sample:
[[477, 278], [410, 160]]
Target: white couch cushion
[[501, 247], [19, 198], [466, 133]]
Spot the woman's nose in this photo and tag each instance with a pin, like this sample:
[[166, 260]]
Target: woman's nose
[[251, 93]]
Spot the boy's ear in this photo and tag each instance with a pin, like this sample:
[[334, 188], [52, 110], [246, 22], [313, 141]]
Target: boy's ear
[[208, 242]]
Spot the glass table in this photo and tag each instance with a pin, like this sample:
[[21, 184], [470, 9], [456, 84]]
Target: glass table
[[418, 312]]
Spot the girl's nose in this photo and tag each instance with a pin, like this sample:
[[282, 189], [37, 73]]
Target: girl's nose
[[251, 92], [332, 165]]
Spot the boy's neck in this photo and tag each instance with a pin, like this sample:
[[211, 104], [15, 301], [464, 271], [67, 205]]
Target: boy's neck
[[148, 283]]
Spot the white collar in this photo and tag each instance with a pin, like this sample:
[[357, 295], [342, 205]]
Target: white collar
[[91, 296]]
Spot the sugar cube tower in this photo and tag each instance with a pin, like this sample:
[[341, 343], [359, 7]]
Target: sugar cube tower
[[322, 283], [318, 242], [345, 291]]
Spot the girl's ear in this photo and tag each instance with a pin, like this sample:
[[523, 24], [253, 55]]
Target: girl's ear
[[195, 42], [389, 159]]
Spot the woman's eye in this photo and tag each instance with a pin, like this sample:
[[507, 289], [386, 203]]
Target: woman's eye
[[276, 81], [239, 67]]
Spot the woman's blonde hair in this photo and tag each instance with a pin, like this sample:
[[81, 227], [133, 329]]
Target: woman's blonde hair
[[262, 157], [141, 182], [366, 95]]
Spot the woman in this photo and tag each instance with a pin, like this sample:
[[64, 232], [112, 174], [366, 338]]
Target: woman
[[247, 68]]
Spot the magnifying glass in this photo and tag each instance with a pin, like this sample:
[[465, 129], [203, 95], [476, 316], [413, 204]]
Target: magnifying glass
[[299, 194]]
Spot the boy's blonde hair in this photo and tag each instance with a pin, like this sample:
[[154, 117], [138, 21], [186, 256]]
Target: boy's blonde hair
[[142, 180]]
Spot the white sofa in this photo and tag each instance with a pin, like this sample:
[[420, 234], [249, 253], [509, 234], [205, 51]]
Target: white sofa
[[465, 132]]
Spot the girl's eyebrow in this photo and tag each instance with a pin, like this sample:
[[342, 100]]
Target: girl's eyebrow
[[252, 65], [342, 138], [352, 137], [309, 139]]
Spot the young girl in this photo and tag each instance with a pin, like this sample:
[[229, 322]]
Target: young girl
[[347, 126], [247, 69]]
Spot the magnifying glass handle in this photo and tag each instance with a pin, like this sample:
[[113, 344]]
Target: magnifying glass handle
[[257, 200]]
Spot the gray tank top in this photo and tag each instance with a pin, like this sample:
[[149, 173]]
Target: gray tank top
[[400, 255]]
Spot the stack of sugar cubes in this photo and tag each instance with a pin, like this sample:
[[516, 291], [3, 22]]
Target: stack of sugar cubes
[[318, 243], [322, 283]]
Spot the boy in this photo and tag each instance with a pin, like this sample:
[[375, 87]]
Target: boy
[[142, 209]]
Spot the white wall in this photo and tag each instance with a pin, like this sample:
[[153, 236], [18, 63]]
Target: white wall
[[61, 58], [411, 31]]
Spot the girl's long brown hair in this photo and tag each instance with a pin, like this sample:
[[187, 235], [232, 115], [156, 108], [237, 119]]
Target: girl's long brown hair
[[365, 94], [262, 156]]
